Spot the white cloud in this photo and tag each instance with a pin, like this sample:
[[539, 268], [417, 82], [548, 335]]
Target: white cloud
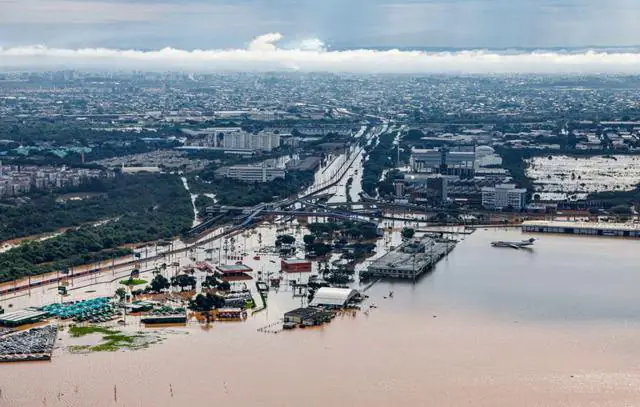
[[263, 54], [265, 42]]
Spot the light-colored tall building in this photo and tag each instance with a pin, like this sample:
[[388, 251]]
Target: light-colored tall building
[[504, 195], [248, 141]]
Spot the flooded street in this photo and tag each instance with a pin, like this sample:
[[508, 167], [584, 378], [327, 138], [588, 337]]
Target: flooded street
[[557, 325]]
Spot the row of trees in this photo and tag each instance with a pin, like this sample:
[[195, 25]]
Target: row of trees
[[183, 281]]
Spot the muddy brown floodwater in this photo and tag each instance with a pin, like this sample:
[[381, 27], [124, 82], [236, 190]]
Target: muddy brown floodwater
[[555, 326]]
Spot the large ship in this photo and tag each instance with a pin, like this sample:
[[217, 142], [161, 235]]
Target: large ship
[[522, 244]]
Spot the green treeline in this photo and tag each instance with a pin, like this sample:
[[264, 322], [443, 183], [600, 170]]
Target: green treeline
[[107, 199], [140, 208], [237, 193]]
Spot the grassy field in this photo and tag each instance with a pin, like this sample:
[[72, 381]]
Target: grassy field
[[133, 281], [112, 340]]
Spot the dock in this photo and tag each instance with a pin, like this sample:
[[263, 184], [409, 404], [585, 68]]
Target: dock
[[631, 230]]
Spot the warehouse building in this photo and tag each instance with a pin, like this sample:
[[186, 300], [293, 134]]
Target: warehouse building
[[22, 317], [333, 297]]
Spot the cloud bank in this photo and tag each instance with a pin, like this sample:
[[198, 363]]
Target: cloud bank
[[311, 55]]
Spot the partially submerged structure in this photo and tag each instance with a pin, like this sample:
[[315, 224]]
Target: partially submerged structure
[[332, 297], [22, 317], [411, 259]]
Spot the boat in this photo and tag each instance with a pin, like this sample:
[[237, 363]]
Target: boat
[[522, 244]]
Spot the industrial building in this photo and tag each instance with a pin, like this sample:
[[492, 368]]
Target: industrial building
[[503, 196], [444, 160], [308, 316], [263, 172], [410, 260], [333, 297], [583, 228]]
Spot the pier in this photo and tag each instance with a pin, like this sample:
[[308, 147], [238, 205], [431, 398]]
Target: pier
[[583, 228]]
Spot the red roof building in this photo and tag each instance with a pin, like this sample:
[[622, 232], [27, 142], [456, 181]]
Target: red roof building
[[295, 265]]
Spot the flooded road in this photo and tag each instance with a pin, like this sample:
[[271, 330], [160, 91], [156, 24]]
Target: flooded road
[[554, 326], [193, 201]]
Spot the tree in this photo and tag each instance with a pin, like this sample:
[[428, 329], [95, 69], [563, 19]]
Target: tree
[[338, 278], [407, 233], [183, 281], [309, 239], [286, 239], [159, 283], [210, 282], [206, 302], [621, 210], [321, 249], [121, 293]]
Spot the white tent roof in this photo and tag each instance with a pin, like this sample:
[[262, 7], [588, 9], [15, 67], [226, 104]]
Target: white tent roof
[[333, 296]]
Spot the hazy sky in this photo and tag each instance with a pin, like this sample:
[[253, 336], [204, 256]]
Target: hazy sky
[[189, 24]]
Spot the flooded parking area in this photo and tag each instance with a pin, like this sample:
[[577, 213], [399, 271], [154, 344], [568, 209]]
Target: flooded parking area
[[558, 177]]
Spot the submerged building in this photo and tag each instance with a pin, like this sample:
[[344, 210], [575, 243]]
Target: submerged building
[[411, 259], [333, 297]]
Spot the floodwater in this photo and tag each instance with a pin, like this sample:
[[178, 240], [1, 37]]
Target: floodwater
[[562, 176], [557, 325]]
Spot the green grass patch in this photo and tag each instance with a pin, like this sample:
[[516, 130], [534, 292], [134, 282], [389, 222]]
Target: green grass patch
[[133, 281], [112, 340], [77, 331]]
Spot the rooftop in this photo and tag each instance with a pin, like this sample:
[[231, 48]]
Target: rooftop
[[333, 296], [233, 268], [20, 316], [296, 261], [597, 225]]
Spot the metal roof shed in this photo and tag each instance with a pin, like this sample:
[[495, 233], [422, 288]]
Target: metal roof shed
[[333, 297]]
